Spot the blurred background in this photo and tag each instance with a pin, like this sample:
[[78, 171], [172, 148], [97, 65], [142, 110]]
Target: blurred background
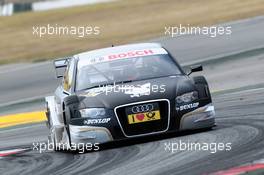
[[120, 21]]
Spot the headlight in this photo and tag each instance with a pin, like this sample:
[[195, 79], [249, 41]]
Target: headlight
[[92, 112], [187, 98]]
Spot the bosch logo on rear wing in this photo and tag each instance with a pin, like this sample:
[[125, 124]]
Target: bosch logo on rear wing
[[60, 66]]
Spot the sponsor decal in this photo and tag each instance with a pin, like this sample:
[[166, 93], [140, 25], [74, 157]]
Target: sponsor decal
[[131, 54], [124, 55], [143, 113], [96, 121], [144, 117], [187, 106]]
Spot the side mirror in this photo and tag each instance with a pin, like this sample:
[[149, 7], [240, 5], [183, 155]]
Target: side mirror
[[195, 68]]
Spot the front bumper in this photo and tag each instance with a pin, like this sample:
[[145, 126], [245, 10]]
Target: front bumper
[[89, 134], [203, 117]]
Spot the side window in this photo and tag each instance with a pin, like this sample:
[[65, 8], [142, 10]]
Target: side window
[[68, 76]]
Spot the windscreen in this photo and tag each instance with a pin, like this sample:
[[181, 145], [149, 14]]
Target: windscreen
[[126, 69]]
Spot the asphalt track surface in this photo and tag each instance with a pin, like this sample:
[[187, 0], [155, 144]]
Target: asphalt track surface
[[239, 119], [240, 116]]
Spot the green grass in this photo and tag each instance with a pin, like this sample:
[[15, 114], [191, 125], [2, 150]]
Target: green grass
[[120, 22]]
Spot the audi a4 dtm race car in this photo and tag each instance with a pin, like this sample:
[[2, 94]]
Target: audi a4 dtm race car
[[125, 92]]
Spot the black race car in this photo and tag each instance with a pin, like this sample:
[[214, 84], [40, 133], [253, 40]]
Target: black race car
[[124, 92]]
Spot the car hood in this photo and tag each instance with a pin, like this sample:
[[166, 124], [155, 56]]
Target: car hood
[[151, 89]]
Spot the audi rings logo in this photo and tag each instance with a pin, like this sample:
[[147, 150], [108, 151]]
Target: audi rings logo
[[142, 108]]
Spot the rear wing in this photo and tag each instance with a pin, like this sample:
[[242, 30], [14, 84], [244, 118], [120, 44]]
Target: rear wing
[[60, 66]]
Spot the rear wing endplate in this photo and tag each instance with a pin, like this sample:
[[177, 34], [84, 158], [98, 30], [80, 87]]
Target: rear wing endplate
[[61, 65]]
